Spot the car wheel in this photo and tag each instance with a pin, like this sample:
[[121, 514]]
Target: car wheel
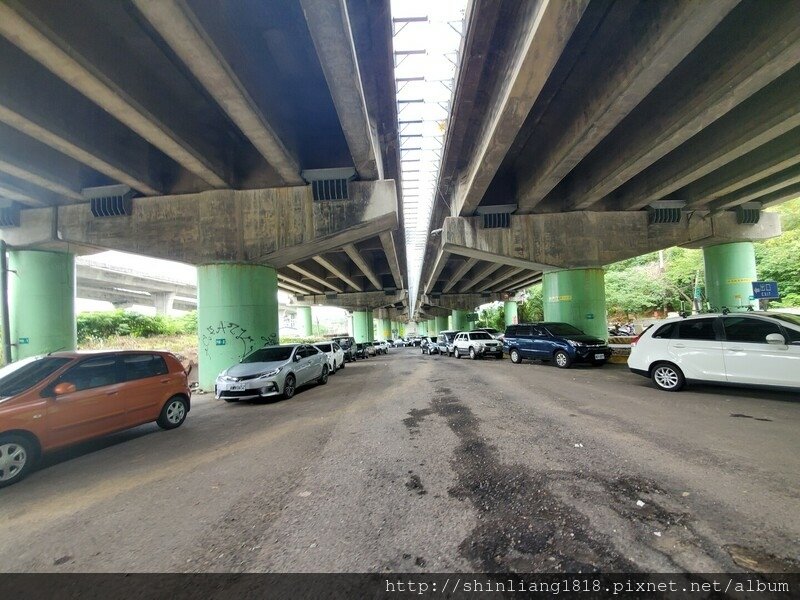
[[563, 361], [515, 356], [667, 377], [289, 386], [472, 354], [174, 413], [323, 379], [456, 353], [342, 365], [17, 455]]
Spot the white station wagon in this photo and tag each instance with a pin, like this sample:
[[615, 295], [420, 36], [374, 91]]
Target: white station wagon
[[751, 349]]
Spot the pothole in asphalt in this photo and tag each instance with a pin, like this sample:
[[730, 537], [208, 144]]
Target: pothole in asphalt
[[414, 484], [761, 561]]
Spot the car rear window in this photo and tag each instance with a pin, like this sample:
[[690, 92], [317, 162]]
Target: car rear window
[[141, 366], [665, 331], [748, 329], [697, 329], [324, 347]]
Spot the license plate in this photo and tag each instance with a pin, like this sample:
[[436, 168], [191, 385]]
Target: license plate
[[235, 387], [599, 356]]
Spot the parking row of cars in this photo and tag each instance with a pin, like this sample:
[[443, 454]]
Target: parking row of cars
[[760, 349]]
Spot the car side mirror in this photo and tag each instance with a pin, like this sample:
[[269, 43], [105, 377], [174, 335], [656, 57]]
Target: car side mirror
[[64, 388], [296, 357], [776, 339]]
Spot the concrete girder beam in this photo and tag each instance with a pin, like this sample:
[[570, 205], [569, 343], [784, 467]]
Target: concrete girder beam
[[772, 158], [174, 21], [439, 264], [546, 242], [758, 120], [779, 182], [392, 257], [22, 29], [458, 301], [39, 165], [703, 88], [338, 269], [319, 277], [357, 300], [74, 125], [482, 274], [276, 226], [656, 47], [363, 265], [506, 273], [545, 33], [329, 25], [296, 285], [458, 273]]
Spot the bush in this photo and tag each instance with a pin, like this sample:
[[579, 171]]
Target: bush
[[101, 325]]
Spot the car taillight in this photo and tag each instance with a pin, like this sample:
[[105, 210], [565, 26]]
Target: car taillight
[[636, 339]]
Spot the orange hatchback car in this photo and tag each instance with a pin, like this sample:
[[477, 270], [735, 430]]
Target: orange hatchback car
[[51, 401]]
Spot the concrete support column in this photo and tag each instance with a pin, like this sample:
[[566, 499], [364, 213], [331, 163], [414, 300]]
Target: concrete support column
[[432, 331], [510, 312], [163, 302], [41, 302], [577, 297], [304, 324], [442, 324], [395, 329], [730, 270], [362, 324], [422, 328], [384, 328], [371, 328], [237, 312], [458, 320]]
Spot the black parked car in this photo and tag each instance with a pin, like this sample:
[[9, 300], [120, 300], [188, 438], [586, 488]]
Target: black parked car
[[562, 343], [348, 344]]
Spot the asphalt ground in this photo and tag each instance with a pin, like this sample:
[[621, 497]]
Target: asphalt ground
[[413, 463]]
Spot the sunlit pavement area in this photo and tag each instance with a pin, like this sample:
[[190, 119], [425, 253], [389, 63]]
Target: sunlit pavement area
[[414, 463]]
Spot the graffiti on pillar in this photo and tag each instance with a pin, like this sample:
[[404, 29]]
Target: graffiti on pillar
[[212, 335], [270, 340]]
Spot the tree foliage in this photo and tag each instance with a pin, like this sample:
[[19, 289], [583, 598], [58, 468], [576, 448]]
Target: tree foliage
[[101, 325]]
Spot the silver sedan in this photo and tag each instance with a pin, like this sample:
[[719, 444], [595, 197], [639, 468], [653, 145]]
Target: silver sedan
[[272, 371]]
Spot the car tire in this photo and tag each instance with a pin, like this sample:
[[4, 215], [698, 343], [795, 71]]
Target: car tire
[[17, 457], [342, 365], [472, 354], [456, 353], [562, 359], [323, 379], [174, 412], [515, 356], [289, 386], [667, 377]]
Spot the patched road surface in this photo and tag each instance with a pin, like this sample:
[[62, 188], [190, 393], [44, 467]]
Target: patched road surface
[[414, 463]]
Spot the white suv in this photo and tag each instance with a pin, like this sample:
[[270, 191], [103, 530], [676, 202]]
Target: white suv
[[475, 344], [753, 348]]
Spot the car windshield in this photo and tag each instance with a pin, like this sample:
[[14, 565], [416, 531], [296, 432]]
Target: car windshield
[[563, 329], [480, 335], [24, 374], [269, 354], [343, 342], [324, 347], [788, 318], [491, 330]]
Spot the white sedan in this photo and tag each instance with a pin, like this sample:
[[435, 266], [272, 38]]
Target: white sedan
[[334, 353]]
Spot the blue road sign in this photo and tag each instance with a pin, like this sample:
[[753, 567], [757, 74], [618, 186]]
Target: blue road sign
[[765, 289]]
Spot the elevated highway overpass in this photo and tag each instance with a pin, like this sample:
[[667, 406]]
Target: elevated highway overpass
[[256, 140], [586, 132], [259, 141]]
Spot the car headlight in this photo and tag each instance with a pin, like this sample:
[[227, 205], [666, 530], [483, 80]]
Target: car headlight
[[270, 373], [574, 343]]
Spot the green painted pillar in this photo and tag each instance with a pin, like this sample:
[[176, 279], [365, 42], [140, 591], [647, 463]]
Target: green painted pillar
[[441, 324], [450, 326], [371, 328], [422, 328], [510, 311], [459, 320], [384, 329], [730, 271], [304, 323], [395, 329], [237, 312], [41, 302], [361, 325], [577, 297], [432, 331]]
